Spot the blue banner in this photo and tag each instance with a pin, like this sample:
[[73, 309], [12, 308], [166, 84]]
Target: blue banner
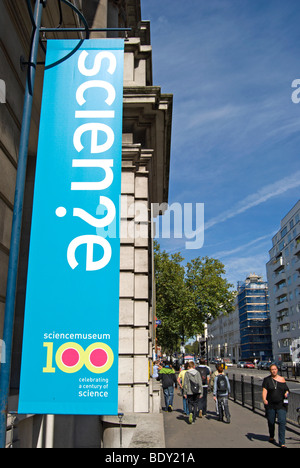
[[71, 330]]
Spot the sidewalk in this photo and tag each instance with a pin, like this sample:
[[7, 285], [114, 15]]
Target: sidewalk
[[293, 379], [247, 429]]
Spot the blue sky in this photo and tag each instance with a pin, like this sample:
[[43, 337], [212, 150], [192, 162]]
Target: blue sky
[[236, 132]]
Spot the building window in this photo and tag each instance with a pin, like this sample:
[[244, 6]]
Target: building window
[[281, 245]]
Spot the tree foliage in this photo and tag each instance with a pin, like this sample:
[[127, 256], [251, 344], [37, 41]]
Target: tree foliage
[[211, 292], [173, 303], [188, 297]]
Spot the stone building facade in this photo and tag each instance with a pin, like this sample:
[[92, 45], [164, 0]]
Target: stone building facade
[[224, 338], [145, 179]]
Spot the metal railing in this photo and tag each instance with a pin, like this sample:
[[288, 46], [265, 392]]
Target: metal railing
[[290, 372], [250, 394]]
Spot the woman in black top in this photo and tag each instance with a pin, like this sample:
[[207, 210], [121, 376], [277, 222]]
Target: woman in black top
[[275, 394]]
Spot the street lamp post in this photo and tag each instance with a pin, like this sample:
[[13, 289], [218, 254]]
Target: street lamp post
[[36, 21], [209, 337], [17, 223]]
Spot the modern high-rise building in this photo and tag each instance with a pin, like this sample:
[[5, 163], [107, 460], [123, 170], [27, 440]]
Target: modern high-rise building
[[245, 334], [224, 339], [254, 317], [283, 270], [147, 121]]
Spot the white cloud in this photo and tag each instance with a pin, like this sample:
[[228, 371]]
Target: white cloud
[[228, 253], [263, 195], [208, 116], [238, 268]]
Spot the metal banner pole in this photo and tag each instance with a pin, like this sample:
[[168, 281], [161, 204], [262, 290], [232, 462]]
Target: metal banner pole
[[17, 223]]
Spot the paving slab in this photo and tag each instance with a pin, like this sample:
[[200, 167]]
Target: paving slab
[[247, 429]]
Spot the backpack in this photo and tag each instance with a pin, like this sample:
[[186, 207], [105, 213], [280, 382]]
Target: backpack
[[222, 386], [195, 387], [203, 373]]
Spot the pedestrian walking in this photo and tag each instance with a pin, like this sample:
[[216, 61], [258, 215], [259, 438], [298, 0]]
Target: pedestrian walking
[[205, 376], [155, 370], [168, 378], [193, 391], [180, 381], [212, 383], [212, 377], [221, 394], [275, 397]]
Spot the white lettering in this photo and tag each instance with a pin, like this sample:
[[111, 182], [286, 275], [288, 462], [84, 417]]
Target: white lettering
[[90, 241], [100, 140], [198, 234], [93, 394], [295, 94], [94, 128], [97, 63], [98, 223], [96, 84]]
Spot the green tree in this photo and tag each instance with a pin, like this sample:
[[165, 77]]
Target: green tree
[[192, 348], [212, 294], [173, 301], [187, 298]]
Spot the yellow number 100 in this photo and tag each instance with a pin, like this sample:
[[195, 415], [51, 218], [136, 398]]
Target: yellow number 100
[[71, 357]]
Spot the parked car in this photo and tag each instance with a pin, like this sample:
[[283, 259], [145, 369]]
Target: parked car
[[215, 361], [263, 365], [249, 365], [241, 365], [281, 366], [227, 362]]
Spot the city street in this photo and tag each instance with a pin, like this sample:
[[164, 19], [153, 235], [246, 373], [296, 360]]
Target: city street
[[149, 223], [259, 376], [247, 429]]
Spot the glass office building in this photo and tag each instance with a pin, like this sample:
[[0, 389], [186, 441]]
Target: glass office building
[[254, 317], [283, 270]]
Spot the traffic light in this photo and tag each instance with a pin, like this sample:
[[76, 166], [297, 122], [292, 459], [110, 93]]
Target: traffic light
[[202, 349]]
